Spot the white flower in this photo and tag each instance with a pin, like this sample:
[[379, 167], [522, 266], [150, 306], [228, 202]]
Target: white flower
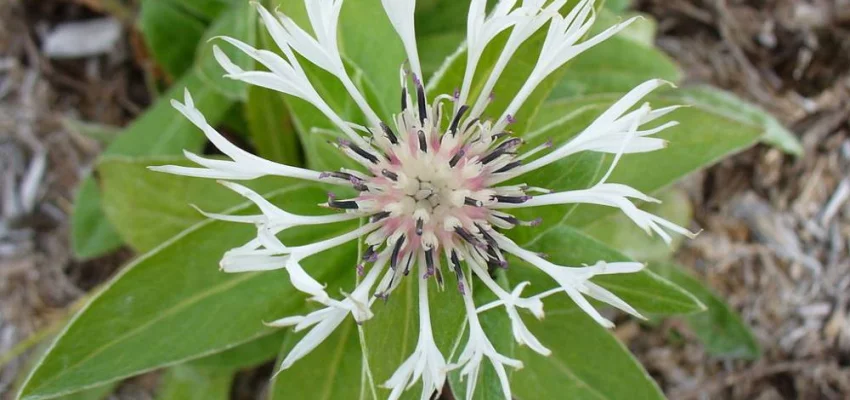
[[427, 362], [429, 187], [358, 304], [479, 346]]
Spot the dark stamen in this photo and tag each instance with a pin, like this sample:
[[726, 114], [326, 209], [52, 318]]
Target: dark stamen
[[508, 144], [396, 250], [409, 262], [419, 224], [509, 166], [363, 153], [456, 120], [390, 175], [404, 98], [456, 264], [456, 158], [487, 237], [370, 255], [466, 235], [344, 205], [389, 132], [492, 156], [429, 262], [339, 175], [423, 145], [358, 184], [472, 202], [509, 219], [420, 94], [379, 216], [512, 199]]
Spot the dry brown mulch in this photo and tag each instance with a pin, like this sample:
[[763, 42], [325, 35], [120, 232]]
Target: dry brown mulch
[[777, 228]]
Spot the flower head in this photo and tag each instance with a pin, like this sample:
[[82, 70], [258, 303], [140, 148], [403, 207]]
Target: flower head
[[430, 183]]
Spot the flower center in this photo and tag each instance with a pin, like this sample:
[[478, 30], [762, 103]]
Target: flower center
[[429, 186]]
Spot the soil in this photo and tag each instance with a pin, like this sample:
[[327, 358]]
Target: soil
[[776, 228]]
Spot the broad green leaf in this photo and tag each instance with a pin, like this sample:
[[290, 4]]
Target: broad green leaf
[[643, 30], [645, 291], [617, 6], [392, 335], [188, 382], [91, 233], [246, 355], [619, 232], [149, 207], [615, 65], [171, 33], [735, 108], [497, 326], [331, 371], [206, 9], [173, 304], [435, 48], [270, 127], [380, 72], [587, 361], [440, 30], [433, 17], [160, 130], [97, 393], [719, 328]]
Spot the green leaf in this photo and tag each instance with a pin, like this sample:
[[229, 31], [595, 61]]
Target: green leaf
[[159, 131], [331, 371], [440, 30], [98, 393], [91, 233], [247, 355], [379, 73], [435, 48], [171, 33], [735, 108], [146, 220], [392, 334], [617, 6], [619, 232], [188, 382], [719, 328], [645, 291], [173, 304], [616, 65], [207, 9], [587, 361], [270, 127]]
